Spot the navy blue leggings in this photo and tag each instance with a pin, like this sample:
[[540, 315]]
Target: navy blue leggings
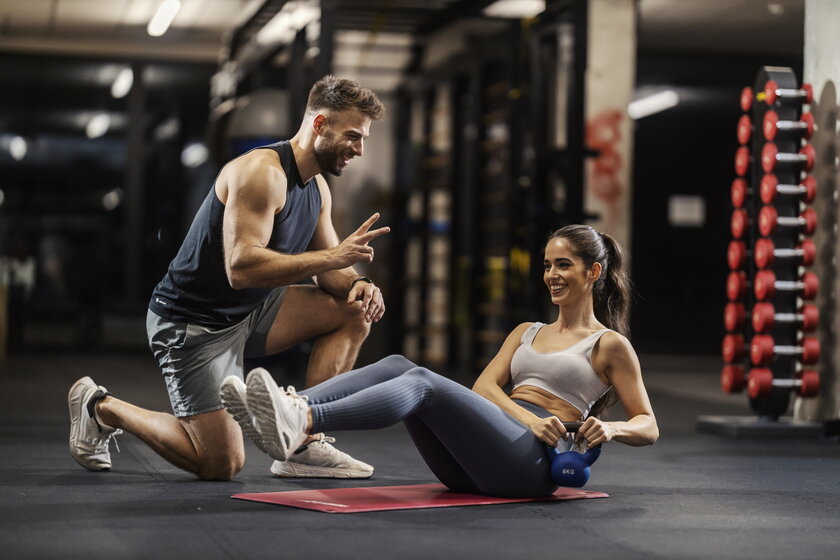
[[468, 442]]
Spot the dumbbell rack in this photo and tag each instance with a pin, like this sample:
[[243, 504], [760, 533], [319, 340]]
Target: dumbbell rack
[[764, 213]]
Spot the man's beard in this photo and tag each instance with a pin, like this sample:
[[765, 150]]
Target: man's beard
[[328, 159]]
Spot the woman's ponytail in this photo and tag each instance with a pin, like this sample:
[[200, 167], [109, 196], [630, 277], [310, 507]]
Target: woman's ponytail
[[611, 298]]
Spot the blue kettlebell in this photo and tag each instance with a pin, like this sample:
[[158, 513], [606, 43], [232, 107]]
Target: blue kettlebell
[[570, 468]]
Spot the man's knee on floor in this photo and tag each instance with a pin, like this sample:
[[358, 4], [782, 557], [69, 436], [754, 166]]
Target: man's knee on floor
[[217, 466]]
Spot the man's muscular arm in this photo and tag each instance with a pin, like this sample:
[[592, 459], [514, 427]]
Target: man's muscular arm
[[256, 191]]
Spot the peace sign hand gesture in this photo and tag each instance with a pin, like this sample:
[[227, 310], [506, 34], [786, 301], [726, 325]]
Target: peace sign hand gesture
[[355, 248]]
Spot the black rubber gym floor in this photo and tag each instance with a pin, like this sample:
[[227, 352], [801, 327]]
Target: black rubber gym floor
[[692, 495]]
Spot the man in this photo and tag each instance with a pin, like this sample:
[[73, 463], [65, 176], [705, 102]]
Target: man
[[229, 294]]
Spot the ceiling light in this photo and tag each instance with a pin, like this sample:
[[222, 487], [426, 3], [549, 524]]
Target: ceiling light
[[17, 148], [98, 125], [163, 17], [278, 30], [122, 85], [304, 14], [775, 8], [651, 104], [515, 8], [194, 155], [112, 199], [167, 130]]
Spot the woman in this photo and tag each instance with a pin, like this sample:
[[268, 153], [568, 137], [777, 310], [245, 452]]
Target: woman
[[485, 441]]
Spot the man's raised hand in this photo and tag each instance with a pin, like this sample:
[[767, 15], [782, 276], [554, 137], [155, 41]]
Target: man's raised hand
[[355, 248]]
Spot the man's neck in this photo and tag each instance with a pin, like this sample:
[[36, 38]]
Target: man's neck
[[304, 158]]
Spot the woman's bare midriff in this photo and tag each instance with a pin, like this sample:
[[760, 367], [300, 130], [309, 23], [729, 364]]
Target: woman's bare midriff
[[557, 406]]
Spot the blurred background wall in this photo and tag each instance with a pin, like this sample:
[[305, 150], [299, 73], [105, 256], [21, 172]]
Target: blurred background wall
[[505, 120]]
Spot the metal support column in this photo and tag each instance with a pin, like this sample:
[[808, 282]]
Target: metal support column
[[298, 84], [135, 188], [326, 41], [577, 116]]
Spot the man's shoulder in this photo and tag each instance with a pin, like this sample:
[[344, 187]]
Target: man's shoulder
[[256, 164], [257, 159], [321, 182], [323, 187]]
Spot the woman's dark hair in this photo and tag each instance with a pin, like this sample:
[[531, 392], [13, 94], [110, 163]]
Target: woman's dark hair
[[611, 295]]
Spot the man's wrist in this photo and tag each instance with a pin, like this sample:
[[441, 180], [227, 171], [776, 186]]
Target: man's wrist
[[360, 279]]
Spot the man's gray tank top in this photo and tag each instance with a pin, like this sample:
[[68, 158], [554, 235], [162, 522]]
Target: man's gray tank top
[[195, 288]]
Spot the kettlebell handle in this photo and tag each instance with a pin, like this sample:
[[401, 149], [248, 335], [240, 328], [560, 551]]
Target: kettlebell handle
[[591, 453], [573, 427]]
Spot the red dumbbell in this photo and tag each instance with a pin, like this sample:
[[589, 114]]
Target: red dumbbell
[[772, 126], [772, 93], [769, 221], [742, 161], [732, 378], [764, 316], [766, 253], [761, 382], [770, 187], [733, 348], [746, 100], [736, 285], [738, 191], [771, 157], [734, 316], [738, 223], [744, 130], [736, 255], [763, 348], [766, 285], [809, 383]]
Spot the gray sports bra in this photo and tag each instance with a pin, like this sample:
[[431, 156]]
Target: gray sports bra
[[567, 374]]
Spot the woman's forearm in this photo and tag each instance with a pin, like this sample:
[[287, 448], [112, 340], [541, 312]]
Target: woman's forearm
[[638, 431]]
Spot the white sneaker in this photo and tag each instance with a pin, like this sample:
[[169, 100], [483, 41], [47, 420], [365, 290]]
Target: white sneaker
[[319, 459], [89, 438], [281, 416], [235, 400]]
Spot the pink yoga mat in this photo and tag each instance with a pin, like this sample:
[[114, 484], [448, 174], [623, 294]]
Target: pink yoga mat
[[386, 498]]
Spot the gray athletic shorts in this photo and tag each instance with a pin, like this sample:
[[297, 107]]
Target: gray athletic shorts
[[195, 359]]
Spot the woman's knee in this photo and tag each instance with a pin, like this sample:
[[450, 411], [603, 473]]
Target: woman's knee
[[425, 377], [397, 362], [432, 378]]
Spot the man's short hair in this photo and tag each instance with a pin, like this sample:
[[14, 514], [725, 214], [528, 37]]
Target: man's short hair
[[341, 94]]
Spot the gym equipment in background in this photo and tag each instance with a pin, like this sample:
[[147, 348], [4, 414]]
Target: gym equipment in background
[[771, 225]]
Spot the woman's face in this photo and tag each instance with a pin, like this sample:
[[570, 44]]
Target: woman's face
[[565, 274]]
